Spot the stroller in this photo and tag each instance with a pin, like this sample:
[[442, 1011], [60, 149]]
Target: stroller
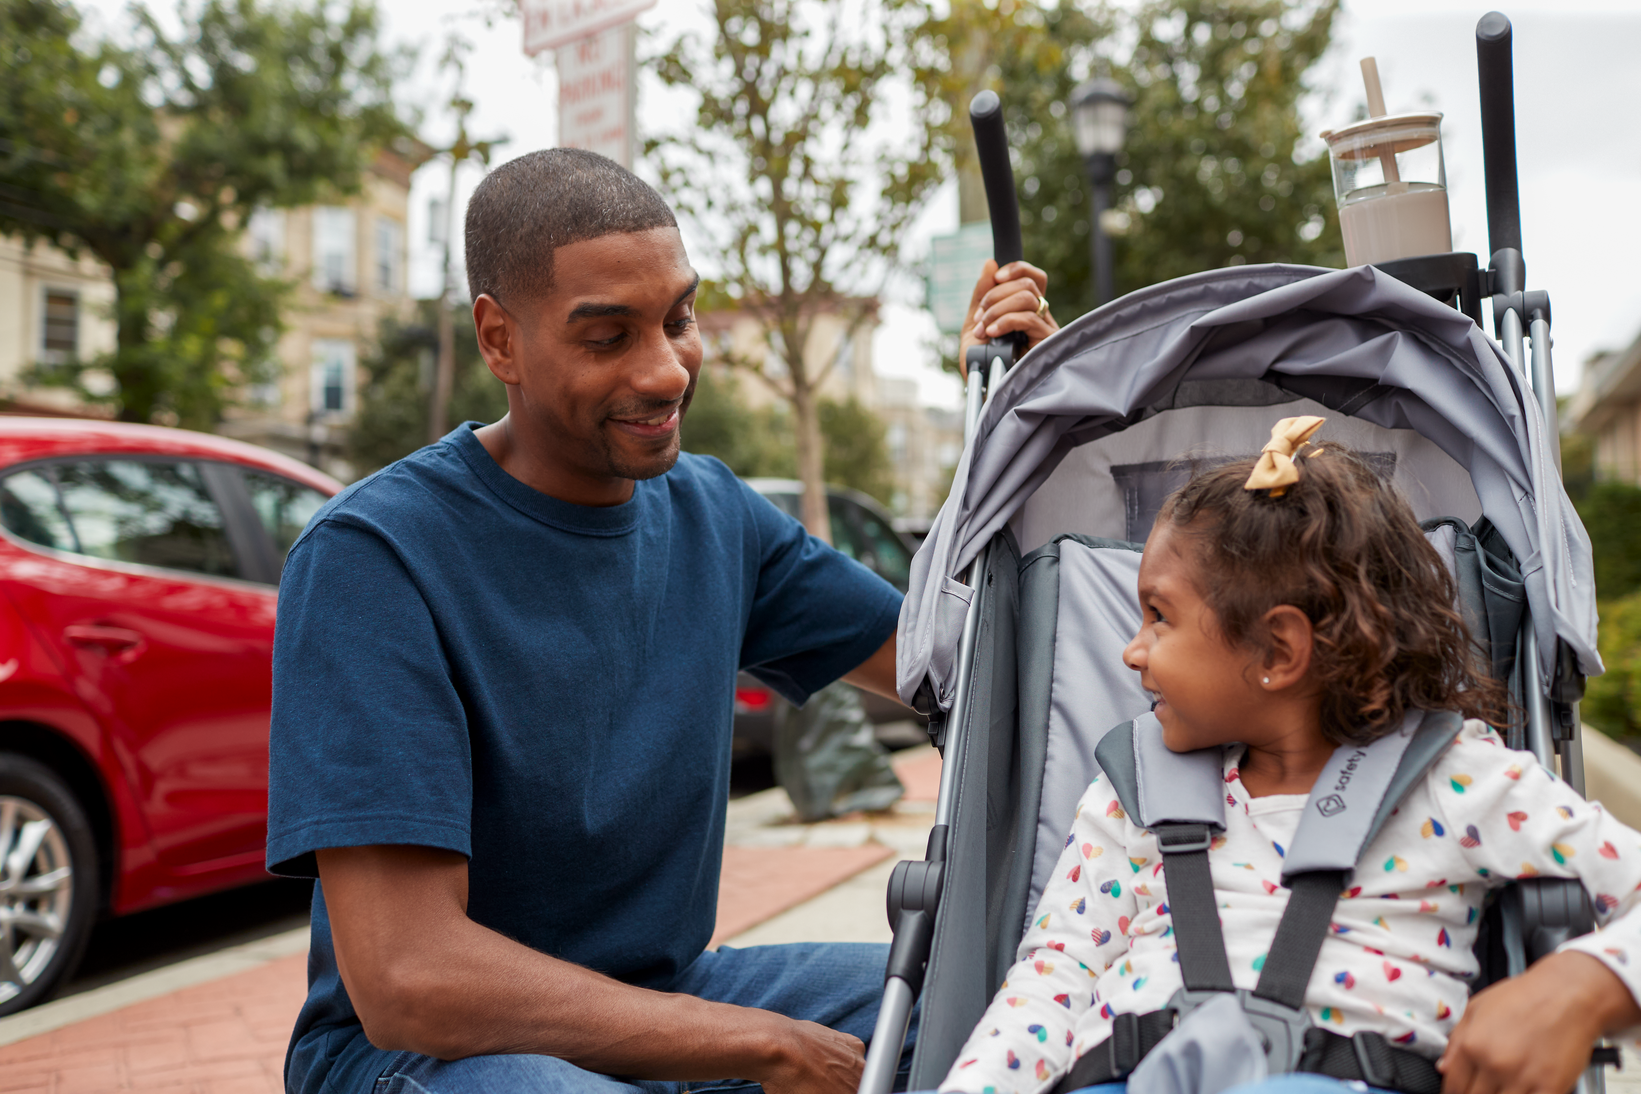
[[1022, 598]]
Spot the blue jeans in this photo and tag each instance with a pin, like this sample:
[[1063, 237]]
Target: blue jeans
[[838, 984], [1300, 1083]]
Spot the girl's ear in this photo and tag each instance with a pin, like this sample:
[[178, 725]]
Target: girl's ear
[[1287, 658]]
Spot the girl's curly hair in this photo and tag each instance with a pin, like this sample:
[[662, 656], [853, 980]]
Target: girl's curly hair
[[1342, 546]]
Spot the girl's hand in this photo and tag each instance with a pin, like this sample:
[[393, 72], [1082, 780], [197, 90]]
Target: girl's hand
[[1532, 1034], [1004, 301]]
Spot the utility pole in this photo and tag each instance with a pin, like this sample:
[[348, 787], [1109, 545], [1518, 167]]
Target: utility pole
[[462, 149]]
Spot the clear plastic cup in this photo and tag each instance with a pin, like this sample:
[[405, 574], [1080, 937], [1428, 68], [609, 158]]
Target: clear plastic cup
[[1391, 185]]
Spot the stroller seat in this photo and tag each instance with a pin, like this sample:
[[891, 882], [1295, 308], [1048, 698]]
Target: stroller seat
[[1069, 464]]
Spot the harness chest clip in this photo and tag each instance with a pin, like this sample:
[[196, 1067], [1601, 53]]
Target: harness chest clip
[[1281, 1028]]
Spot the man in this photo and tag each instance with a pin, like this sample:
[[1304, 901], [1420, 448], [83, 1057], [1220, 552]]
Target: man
[[503, 683]]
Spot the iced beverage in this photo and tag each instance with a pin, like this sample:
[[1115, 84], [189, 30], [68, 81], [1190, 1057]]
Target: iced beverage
[[1407, 219], [1391, 185]]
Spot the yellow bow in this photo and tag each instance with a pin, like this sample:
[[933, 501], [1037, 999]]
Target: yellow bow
[[1275, 470]]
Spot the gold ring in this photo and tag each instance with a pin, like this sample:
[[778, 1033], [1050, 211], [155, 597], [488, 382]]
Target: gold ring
[[1042, 305]]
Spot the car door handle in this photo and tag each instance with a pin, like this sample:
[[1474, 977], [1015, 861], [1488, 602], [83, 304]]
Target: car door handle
[[114, 641]]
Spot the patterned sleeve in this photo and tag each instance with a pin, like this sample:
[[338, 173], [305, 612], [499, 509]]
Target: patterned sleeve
[[1513, 819], [1023, 1042]]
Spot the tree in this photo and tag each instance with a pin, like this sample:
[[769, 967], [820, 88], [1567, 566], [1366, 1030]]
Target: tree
[[1211, 172], [393, 406], [801, 192], [152, 158], [753, 443], [757, 442]]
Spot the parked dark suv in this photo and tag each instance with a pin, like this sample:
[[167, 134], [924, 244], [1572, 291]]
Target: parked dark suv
[[864, 532]]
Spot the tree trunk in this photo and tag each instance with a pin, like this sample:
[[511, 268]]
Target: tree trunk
[[811, 459], [444, 375], [134, 381]]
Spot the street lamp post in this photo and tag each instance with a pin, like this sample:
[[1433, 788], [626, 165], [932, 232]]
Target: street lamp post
[[1099, 121]]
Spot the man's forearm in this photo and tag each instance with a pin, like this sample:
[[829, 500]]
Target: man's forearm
[[877, 673], [424, 977]]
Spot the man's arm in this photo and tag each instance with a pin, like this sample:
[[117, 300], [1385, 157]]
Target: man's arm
[[424, 977], [876, 674]]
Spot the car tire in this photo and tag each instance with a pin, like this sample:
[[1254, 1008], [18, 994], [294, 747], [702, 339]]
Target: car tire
[[41, 818]]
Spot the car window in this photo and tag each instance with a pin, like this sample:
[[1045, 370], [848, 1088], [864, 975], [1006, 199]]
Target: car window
[[844, 536], [158, 513], [29, 510], [284, 506], [893, 564]]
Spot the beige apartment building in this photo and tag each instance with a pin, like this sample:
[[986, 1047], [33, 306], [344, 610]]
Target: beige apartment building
[[348, 260], [924, 443], [53, 308], [1607, 407]]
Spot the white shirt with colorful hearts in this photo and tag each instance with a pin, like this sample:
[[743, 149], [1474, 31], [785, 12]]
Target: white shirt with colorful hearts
[[1398, 958]]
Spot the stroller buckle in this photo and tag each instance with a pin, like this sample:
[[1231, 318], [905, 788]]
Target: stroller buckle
[[1281, 1029]]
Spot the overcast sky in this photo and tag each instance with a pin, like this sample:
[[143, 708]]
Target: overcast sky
[[1578, 86]]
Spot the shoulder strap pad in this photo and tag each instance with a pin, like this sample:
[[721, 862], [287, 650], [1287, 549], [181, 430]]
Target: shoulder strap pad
[[1359, 789], [1155, 785]]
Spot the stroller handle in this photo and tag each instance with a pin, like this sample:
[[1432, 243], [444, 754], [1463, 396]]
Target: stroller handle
[[1498, 131], [991, 143]]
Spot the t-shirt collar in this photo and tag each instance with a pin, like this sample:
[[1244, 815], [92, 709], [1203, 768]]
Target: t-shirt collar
[[592, 520]]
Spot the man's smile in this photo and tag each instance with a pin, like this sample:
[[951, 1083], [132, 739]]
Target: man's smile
[[657, 424]]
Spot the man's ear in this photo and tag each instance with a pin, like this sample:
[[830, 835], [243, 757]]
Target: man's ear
[[1287, 659], [498, 337]]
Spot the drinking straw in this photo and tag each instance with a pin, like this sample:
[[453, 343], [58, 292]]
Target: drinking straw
[[1376, 109]]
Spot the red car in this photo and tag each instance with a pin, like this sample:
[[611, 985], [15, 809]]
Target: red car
[[139, 569]]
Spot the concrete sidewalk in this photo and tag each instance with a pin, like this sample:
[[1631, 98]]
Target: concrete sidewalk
[[219, 1024]]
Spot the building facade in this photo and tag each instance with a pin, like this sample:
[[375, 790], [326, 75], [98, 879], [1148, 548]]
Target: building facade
[[53, 308], [1607, 408], [348, 260]]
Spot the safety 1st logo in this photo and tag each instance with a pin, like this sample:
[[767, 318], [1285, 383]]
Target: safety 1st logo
[[1334, 804]]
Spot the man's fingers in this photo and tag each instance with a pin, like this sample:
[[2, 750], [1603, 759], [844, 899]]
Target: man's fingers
[[1034, 327]]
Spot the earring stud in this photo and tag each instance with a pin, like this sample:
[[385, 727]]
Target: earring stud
[[1267, 679]]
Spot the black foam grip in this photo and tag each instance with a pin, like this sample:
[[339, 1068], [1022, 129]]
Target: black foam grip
[[991, 143], [1495, 75]]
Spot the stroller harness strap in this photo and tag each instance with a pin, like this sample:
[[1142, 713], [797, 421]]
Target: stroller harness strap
[[1180, 798]]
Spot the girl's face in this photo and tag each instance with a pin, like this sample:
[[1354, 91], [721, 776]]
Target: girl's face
[[1207, 692]]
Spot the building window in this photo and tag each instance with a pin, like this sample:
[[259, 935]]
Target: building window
[[332, 378], [59, 325], [334, 265], [390, 248], [265, 231]]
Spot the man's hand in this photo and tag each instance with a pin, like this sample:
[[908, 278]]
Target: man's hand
[[820, 1061], [1005, 301], [1532, 1034], [424, 977]]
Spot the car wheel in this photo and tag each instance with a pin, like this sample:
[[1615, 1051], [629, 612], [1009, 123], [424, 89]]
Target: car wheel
[[48, 882]]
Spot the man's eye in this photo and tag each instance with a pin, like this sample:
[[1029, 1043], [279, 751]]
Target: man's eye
[[682, 323]]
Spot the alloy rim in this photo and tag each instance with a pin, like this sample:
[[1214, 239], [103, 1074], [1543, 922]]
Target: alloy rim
[[36, 890]]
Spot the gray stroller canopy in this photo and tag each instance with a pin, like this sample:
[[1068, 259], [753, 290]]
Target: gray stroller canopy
[[1356, 345]]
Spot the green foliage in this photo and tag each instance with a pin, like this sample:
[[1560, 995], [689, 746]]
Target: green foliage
[[798, 189], [857, 451], [754, 443], [392, 418], [1612, 702], [1611, 512], [1209, 175], [150, 157], [757, 442]]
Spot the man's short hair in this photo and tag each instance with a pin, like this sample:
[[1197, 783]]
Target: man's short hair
[[527, 208]]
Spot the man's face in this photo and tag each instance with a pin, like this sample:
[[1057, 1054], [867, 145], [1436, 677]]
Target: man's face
[[603, 366]]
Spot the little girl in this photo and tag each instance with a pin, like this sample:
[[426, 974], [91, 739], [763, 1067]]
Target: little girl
[[1291, 605]]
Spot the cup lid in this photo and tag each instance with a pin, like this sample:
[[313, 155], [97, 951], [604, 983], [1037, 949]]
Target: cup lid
[[1387, 133]]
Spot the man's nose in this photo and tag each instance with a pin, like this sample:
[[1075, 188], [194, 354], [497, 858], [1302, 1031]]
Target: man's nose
[[658, 372]]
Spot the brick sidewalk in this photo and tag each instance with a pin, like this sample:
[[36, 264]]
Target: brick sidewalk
[[228, 1036]]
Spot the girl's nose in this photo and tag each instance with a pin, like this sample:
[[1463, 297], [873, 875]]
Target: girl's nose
[[1133, 655]]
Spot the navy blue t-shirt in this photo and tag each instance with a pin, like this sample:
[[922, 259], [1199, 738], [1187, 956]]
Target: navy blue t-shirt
[[463, 662]]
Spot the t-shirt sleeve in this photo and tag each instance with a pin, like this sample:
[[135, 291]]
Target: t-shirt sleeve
[[368, 742], [816, 613]]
